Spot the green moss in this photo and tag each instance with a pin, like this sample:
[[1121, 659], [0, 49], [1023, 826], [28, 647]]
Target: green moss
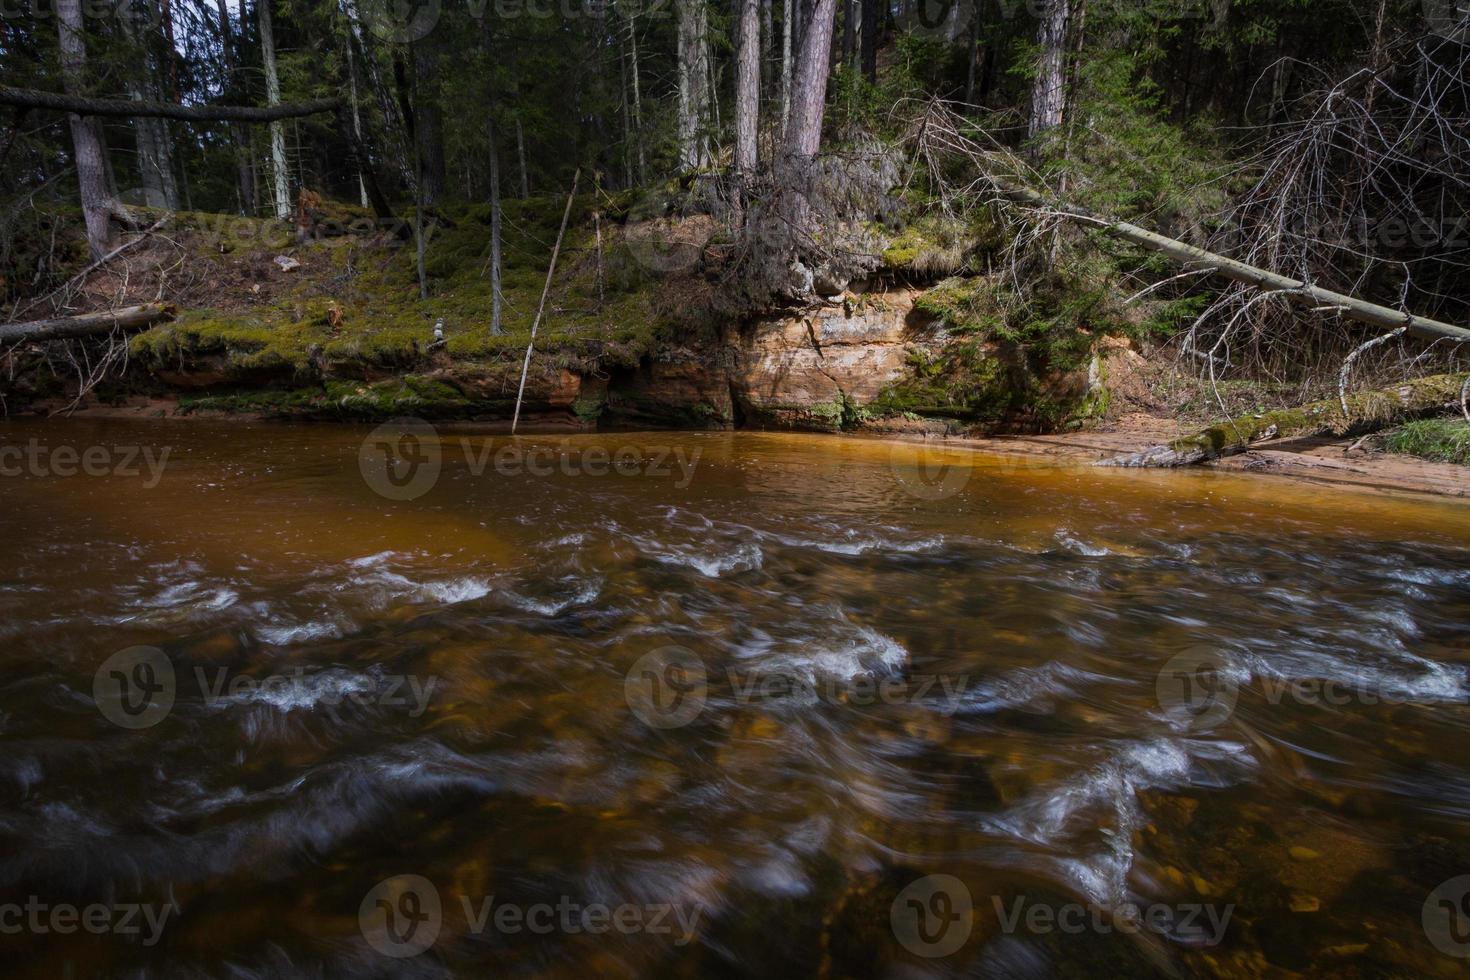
[[370, 315], [940, 244]]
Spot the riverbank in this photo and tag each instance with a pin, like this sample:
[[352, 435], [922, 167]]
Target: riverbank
[[1351, 464], [334, 330]]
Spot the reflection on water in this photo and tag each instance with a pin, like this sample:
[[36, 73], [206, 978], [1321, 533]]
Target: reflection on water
[[745, 705]]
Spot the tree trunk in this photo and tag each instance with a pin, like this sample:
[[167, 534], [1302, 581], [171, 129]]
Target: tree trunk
[[521, 154], [88, 324], [1367, 412], [694, 88], [809, 88], [747, 89], [870, 29], [150, 133], [637, 95], [786, 25], [429, 123], [849, 31], [1049, 90], [238, 135], [280, 183], [495, 328], [89, 148]]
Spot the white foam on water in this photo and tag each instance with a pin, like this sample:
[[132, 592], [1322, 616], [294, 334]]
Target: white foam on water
[[286, 634], [832, 649], [581, 592], [1027, 687], [1103, 799], [304, 692], [742, 557]]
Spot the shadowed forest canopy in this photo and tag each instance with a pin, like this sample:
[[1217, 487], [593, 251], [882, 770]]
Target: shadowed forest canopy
[[818, 144]]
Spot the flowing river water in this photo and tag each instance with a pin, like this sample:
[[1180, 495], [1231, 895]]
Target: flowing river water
[[724, 704]]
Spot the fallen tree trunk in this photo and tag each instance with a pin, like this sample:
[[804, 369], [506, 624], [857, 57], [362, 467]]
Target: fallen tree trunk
[[26, 98], [1367, 411], [1197, 258], [88, 324]]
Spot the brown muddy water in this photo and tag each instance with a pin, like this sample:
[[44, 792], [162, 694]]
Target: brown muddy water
[[308, 701]]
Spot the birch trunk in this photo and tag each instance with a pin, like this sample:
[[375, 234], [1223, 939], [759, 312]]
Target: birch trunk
[[495, 327], [786, 25], [280, 184], [1049, 90]]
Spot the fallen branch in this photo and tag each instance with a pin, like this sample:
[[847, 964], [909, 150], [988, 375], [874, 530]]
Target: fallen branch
[[1374, 410], [941, 132], [550, 269], [88, 324], [26, 98], [1201, 260], [66, 286]]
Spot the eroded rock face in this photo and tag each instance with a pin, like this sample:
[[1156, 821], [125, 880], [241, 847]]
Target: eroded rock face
[[817, 369], [806, 371], [803, 371]]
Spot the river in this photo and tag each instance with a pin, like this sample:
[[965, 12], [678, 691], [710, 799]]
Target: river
[[323, 701]]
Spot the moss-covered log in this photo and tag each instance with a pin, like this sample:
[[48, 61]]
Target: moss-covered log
[[88, 324], [1366, 412]]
